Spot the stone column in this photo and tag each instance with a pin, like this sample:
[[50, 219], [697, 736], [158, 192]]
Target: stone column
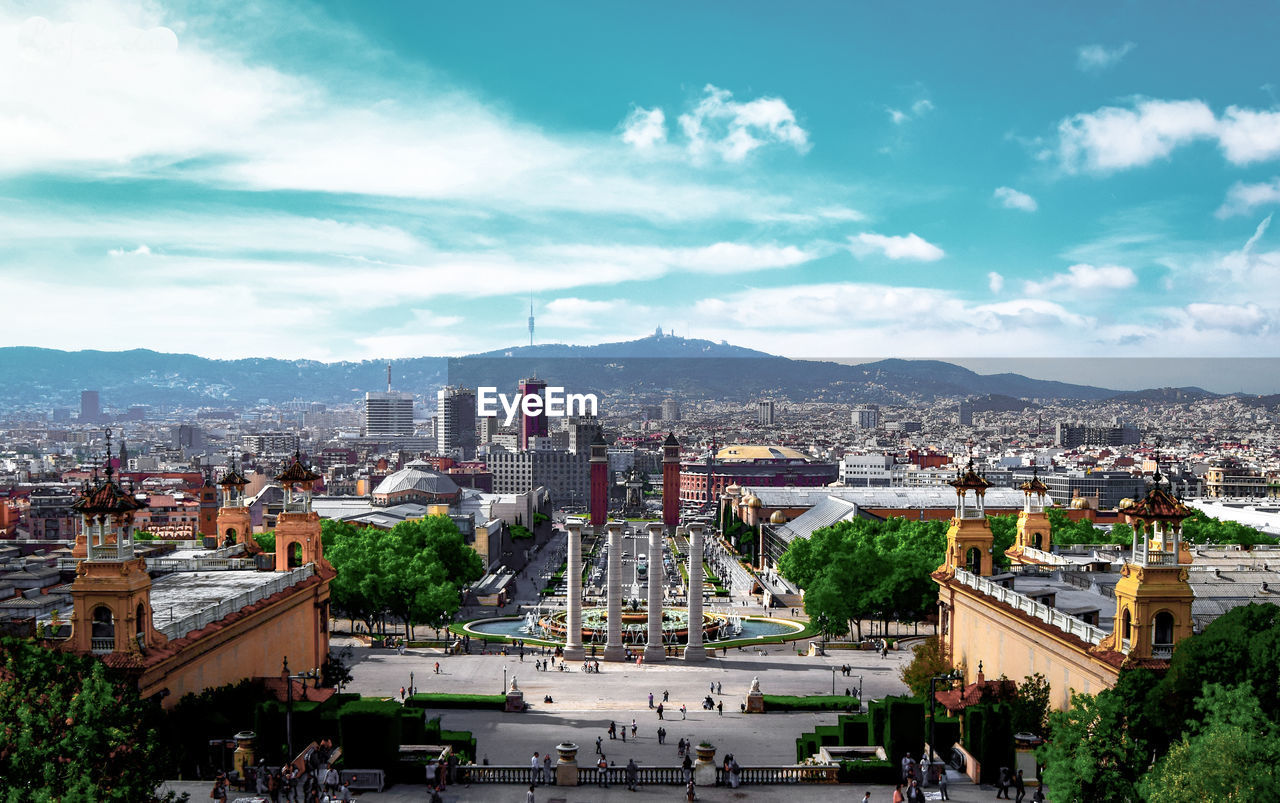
[[613, 649], [573, 650], [654, 649], [694, 651]]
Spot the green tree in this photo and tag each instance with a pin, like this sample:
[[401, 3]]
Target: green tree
[[1031, 705], [1004, 531], [267, 540], [1232, 756], [73, 730], [1092, 755]]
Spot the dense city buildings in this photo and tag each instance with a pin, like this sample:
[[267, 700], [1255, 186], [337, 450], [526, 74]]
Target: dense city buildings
[[456, 422]]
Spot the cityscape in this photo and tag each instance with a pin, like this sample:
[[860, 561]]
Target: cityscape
[[397, 412]]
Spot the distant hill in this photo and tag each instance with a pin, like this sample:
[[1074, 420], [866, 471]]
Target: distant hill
[[649, 367], [1164, 395]]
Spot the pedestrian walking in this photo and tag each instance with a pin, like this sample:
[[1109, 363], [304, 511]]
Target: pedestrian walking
[[719, 688], [528, 796], [720, 708], [942, 784], [633, 774], [602, 770], [684, 712], [659, 710], [651, 699], [687, 767], [599, 741], [613, 731], [665, 695], [633, 729], [438, 665], [1004, 783], [535, 769], [1019, 787]]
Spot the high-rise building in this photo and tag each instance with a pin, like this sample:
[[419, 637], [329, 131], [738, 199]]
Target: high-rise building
[[670, 409], [764, 412], [1118, 434], [582, 430], [488, 426], [456, 422], [531, 424], [964, 414], [389, 413], [866, 416], [90, 407]]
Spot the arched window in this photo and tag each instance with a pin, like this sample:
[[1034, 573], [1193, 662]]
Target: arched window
[[103, 630], [973, 560], [1037, 540], [295, 555], [141, 618], [1125, 624], [231, 534], [1162, 632]]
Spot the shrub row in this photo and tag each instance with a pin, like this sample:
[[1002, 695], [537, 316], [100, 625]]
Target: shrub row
[[822, 702]]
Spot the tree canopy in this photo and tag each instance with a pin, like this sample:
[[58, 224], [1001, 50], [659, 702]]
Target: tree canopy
[[415, 571], [1212, 723], [73, 730], [863, 569]]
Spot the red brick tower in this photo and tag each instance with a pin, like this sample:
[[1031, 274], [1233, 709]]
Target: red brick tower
[[671, 481], [599, 481]]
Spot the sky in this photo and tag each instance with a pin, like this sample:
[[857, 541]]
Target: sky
[[348, 181]]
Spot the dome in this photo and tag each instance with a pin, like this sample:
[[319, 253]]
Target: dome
[[733, 490], [1079, 504], [777, 518], [1126, 503], [416, 478], [752, 500]]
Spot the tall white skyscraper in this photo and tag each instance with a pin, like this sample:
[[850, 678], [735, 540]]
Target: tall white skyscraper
[[389, 413], [764, 412]]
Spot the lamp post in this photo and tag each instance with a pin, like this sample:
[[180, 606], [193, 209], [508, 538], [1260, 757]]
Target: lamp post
[[288, 684], [954, 674]]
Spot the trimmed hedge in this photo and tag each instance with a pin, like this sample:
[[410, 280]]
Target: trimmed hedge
[[904, 727], [821, 702], [988, 735], [371, 734], [855, 729], [467, 701], [885, 773], [828, 735], [946, 732], [462, 743], [806, 745]]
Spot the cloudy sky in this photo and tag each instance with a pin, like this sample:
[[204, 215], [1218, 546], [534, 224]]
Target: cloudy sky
[[367, 180]]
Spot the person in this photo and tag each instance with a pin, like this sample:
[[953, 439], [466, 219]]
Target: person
[[942, 784], [665, 695], [633, 729], [402, 694], [599, 741], [735, 773], [866, 798], [1019, 787], [535, 769], [430, 771], [713, 687], [219, 791], [720, 708], [662, 735], [687, 767], [684, 711], [633, 773], [331, 781], [659, 709], [1004, 783], [602, 769], [1038, 796], [651, 699], [680, 747], [437, 667], [897, 794], [528, 796], [719, 688], [908, 764], [624, 733], [613, 731], [690, 792], [914, 793], [345, 794]]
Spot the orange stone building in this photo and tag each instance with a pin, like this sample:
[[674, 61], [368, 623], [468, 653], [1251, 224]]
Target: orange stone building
[[181, 631]]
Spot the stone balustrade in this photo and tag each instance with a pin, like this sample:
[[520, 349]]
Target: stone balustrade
[[653, 775], [1063, 621]]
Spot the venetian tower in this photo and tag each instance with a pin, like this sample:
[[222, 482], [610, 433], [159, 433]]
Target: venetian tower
[[234, 523], [969, 539], [297, 526], [1033, 523], [111, 594]]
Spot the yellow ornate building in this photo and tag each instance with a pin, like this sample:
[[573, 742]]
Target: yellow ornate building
[[189, 621]]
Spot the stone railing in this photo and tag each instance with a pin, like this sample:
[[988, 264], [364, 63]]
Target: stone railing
[[650, 775], [201, 564], [1040, 556], [1162, 651], [101, 645], [201, 619], [1155, 557], [1063, 621]]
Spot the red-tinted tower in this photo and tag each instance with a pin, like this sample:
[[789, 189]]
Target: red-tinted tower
[[671, 481], [531, 425], [599, 481]]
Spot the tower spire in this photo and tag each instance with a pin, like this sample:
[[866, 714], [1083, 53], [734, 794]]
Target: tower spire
[[530, 317], [108, 455], [388, 377]]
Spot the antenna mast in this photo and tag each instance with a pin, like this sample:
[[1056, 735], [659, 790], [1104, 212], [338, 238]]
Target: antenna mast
[[388, 377], [530, 317]]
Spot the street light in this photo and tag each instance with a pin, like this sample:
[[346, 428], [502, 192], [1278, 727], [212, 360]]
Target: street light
[[954, 674], [310, 674]]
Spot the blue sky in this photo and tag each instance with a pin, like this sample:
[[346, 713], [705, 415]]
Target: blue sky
[[369, 180]]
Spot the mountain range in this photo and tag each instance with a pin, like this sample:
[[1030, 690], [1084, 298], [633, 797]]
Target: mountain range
[[653, 366]]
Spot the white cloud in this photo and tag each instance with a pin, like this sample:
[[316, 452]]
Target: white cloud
[[895, 247], [721, 126], [1241, 318], [140, 251], [995, 282], [1248, 136], [1096, 58], [1010, 198], [1243, 198], [1114, 138], [918, 109], [644, 128], [1084, 279]]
